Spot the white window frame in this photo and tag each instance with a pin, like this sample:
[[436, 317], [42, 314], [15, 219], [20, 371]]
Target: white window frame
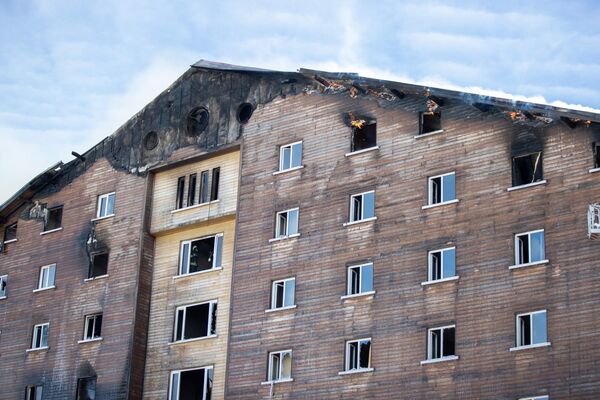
[[360, 281], [43, 281], [282, 167], [88, 318], [535, 398], [520, 346], [216, 265], [270, 367], [4, 278], [287, 226], [430, 189], [38, 391], [518, 264], [347, 355], [430, 358], [430, 265], [274, 294], [179, 371], [352, 217], [41, 327], [100, 209], [211, 306]]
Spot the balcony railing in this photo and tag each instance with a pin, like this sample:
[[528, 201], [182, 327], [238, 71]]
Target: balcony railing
[[594, 221]]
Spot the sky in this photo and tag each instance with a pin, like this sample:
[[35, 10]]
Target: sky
[[72, 72]]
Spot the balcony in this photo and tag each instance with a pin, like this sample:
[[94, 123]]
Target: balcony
[[594, 221]]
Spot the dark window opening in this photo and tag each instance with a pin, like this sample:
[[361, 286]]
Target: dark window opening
[[244, 112], [436, 265], [596, 155], [86, 388], [364, 135], [197, 121], [527, 169], [431, 121], [448, 344], [214, 187], [192, 385], [180, 191], [33, 392], [196, 321], [436, 190], [191, 199], [201, 254], [54, 219], [150, 140], [204, 187], [10, 232], [525, 321], [99, 265]]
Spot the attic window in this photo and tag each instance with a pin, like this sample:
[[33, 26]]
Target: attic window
[[197, 121], [150, 140], [431, 121], [10, 233], [527, 169], [364, 134], [244, 112], [54, 219]]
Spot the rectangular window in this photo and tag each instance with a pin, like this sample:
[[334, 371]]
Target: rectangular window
[[33, 392], [106, 205], [3, 285], [54, 220], [527, 169], [93, 327], [362, 206], [442, 264], [360, 279], [200, 254], [442, 188], [283, 293], [364, 136], [98, 265], [204, 187], [214, 184], [86, 388], [47, 273], [195, 321], [290, 156], [529, 247], [180, 192], [430, 121], [358, 354], [440, 342], [280, 366], [596, 147], [40, 336], [10, 232], [191, 198], [191, 384], [531, 328], [286, 223]]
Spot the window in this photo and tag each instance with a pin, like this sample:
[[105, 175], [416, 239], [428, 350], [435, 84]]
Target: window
[[10, 233], [442, 264], [47, 273], [280, 366], [358, 354], [106, 205], [40, 336], [195, 321], [191, 198], [191, 384], [364, 135], [290, 156], [529, 247], [93, 327], [442, 188], [440, 343], [200, 254], [527, 169], [214, 186], [204, 187], [98, 265], [283, 293], [430, 122], [531, 328], [596, 147], [33, 392], [180, 192], [360, 279], [362, 206], [287, 223], [86, 388], [54, 220], [535, 398], [3, 285]]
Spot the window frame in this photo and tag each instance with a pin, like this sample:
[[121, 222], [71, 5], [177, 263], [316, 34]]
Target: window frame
[[430, 189], [422, 115], [270, 366], [6, 229], [46, 268], [442, 267], [520, 346], [287, 224], [45, 227], [94, 377], [347, 359], [529, 248], [106, 196], [86, 325], [291, 147], [513, 159], [179, 371], [217, 258], [210, 326], [4, 278], [38, 392], [33, 338], [430, 357], [351, 217], [274, 294], [360, 292]]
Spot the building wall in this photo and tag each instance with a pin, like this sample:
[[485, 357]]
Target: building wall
[[483, 302]]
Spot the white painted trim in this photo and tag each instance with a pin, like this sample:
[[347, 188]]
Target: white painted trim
[[353, 296], [439, 204], [429, 134], [197, 273], [98, 339], [542, 182], [277, 381], [2, 298], [291, 146], [356, 371], [450, 279], [192, 340], [353, 153], [288, 170], [101, 218], [37, 349], [96, 277], [531, 264], [42, 289], [50, 231], [530, 346], [295, 235], [591, 171], [359, 221], [437, 360], [10, 241], [271, 310], [194, 206]]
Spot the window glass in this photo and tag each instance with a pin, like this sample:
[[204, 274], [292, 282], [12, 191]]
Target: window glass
[[292, 222], [449, 192], [368, 205], [449, 257], [296, 155], [367, 278], [539, 327], [537, 246]]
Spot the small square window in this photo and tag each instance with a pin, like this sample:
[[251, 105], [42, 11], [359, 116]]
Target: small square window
[[106, 205], [195, 321], [531, 328], [430, 121], [440, 342], [442, 188], [527, 169], [280, 366], [364, 135], [10, 232], [86, 388], [286, 223], [40, 336], [529, 247], [98, 265], [362, 206], [47, 274], [358, 354], [360, 279], [3, 285], [54, 219], [93, 327], [442, 264], [33, 392], [283, 293], [191, 384], [290, 156], [200, 254]]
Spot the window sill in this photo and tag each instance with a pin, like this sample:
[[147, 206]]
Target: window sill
[[192, 340], [2, 297], [358, 295], [45, 348], [591, 171], [422, 135], [531, 264], [51, 231], [530, 346], [510, 189], [283, 171], [359, 221], [44, 289], [272, 310], [95, 278], [353, 153], [277, 239], [10, 241], [101, 218], [90, 340], [356, 371], [197, 273], [194, 206], [450, 279], [438, 360], [277, 381], [439, 204]]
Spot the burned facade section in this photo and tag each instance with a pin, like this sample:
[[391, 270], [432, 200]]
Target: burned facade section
[[364, 132]]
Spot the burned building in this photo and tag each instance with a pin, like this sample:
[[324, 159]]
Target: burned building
[[262, 234]]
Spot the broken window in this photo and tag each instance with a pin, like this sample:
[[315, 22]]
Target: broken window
[[10, 233], [3, 286], [180, 192], [286, 223], [191, 384], [430, 122], [283, 293], [244, 112], [40, 336], [195, 321], [106, 205], [529, 247], [364, 135], [362, 206], [360, 279], [214, 187], [201, 254], [191, 198], [98, 265], [358, 354], [442, 264], [531, 328], [442, 188], [197, 121], [33, 392], [596, 147], [440, 342], [204, 187], [527, 169], [93, 327], [86, 388], [46, 280], [290, 156], [280, 366], [54, 220]]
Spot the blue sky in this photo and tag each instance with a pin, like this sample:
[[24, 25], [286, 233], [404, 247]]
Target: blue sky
[[71, 72]]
